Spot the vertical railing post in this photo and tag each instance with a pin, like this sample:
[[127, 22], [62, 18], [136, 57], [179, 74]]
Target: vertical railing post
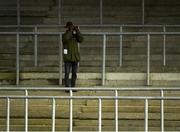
[[17, 42], [26, 111], [101, 12], [18, 13], [146, 116], [162, 111], [7, 114], [148, 61], [53, 114], [164, 46], [17, 58], [104, 60], [71, 112], [60, 59], [35, 46], [120, 47], [100, 116], [143, 11], [60, 12], [116, 111]]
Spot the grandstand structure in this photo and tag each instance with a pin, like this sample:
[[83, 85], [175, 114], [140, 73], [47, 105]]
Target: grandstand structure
[[132, 45]]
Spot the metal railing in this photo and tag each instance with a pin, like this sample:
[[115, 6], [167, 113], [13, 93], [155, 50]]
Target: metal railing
[[60, 11], [116, 98], [100, 5], [104, 35]]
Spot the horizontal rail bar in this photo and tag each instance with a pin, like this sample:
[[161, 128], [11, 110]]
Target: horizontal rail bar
[[104, 25], [92, 97], [93, 33], [22, 88]]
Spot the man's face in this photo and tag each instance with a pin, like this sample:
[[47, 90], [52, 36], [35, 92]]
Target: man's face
[[71, 27]]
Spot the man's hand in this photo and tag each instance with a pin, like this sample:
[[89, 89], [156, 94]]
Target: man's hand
[[76, 28]]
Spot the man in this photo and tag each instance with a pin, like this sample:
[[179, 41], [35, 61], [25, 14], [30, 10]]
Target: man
[[71, 54]]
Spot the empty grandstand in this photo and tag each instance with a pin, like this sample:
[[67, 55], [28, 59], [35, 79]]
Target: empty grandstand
[[128, 76]]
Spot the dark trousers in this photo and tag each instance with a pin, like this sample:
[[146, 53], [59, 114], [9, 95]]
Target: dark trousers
[[73, 66]]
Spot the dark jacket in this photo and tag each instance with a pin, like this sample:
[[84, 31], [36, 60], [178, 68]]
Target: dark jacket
[[70, 46]]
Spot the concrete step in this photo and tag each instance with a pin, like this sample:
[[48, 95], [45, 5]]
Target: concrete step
[[131, 123], [122, 3], [84, 128], [136, 104], [121, 109], [89, 63], [165, 3], [96, 63], [79, 2], [93, 10], [95, 20], [85, 58], [25, 20], [26, 2], [94, 39], [77, 9], [37, 2], [36, 112], [97, 50], [24, 14], [86, 20], [26, 8], [45, 112], [112, 79], [124, 125], [137, 116], [162, 20]]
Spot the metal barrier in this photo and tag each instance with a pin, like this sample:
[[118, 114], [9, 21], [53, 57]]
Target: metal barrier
[[116, 98], [104, 34], [100, 5], [59, 11]]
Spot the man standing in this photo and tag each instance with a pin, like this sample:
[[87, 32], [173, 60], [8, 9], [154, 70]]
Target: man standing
[[71, 54]]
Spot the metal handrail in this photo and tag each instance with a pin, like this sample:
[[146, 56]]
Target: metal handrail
[[49, 88], [95, 25], [104, 34], [99, 98], [91, 97], [93, 33], [26, 97]]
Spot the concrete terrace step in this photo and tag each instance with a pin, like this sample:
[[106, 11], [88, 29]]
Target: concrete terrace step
[[77, 20], [26, 2], [161, 2], [126, 38], [92, 106], [154, 116], [97, 63], [154, 105], [98, 57], [24, 20], [162, 20], [93, 9], [170, 68], [79, 2], [95, 20], [91, 45], [88, 128], [26, 8], [93, 38], [94, 79]]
